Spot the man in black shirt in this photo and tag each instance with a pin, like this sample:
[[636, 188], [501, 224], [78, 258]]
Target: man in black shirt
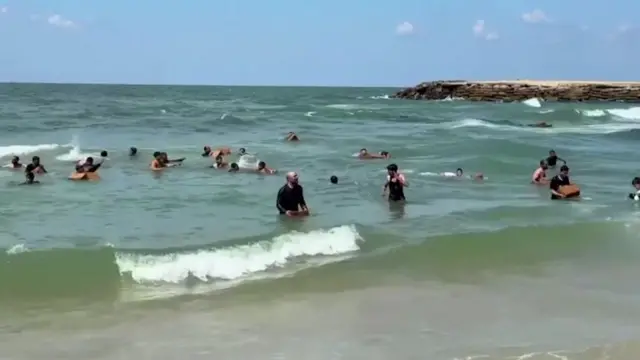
[[562, 179], [290, 200]]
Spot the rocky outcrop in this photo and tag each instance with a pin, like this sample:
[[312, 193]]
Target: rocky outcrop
[[522, 90]]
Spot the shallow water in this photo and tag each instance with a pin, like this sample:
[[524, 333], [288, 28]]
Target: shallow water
[[196, 261]]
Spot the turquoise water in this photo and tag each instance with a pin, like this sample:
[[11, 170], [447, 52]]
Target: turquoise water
[[136, 256]]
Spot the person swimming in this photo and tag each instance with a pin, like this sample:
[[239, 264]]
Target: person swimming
[[636, 185], [171, 162], [103, 156], [36, 167], [540, 124], [242, 151], [291, 136], [88, 166], [234, 167], [263, 169], [208, 152], [553, 158], [158, 162], [333, 179], [364, 154], [133, 151], [220, 163], [15, 163], [539, 176], [30, 179], [460, 174]]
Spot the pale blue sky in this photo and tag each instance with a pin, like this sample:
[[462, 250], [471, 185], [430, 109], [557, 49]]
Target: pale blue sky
[[313, 42]]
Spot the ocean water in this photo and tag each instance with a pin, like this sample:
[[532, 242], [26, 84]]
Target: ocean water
[[196, 263]]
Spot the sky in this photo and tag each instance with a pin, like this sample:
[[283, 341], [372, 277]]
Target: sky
[[313, 42]]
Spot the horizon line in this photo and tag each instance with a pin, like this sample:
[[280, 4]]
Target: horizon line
[[5, 82]]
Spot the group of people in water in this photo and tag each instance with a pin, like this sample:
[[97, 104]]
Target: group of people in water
[[290, 198]]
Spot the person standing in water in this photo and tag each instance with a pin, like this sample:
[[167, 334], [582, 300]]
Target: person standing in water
[[133, 151], [30, 179], [558, 181], [553, 158], [290, 200], [539, 176], [395, 184], [36, 167], [636, 185]]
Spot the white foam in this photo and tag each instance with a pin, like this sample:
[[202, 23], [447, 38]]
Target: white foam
[[240, 261], [248, 162], [380, 97], [592, 113], [583, 129], [75, 154], [310, 113], [12, 150], [628, 114], [534, 102]]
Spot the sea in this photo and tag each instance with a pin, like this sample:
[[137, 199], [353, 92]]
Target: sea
[[196, 263]]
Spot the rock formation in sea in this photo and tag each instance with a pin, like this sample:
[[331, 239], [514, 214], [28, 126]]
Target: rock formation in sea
[[519, 90]]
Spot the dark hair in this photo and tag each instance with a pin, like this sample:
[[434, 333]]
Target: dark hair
[[384, 153], [543, 163], [564, 168], [392, 167], [35, 158], [90, 159], [104, 153], [636, 180], [333, 179], [262, 164], [459, 169], [242, 150], [133, 150], [363, 149], [234, 166]]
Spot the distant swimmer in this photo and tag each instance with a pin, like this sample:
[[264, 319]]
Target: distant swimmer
[[540, 124], [333, 179], [103, 156], [15, 163], [234, 167], [263, 169], [171, 162], [208, 152], [30, 179], [364, 154], [291, 136], [553, 158], [242, 151], [459, 174], [290, 200], [396, 182], [89, 166], [133, 151], [560, 185], [539, 176], [157, 163], [36, 167], [220, 163], [636, 184]]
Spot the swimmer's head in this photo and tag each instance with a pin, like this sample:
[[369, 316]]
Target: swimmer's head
[[292, 177], [262, 165], [15, 160], [333, 179], [242, 151], [164, 155], [133, 151], [392, 169], [104, 153], [157, 154], [384, 153], [89, 161], [636, 182], [207, 151], [543, 165], [363, 151], [564, 170], [30, 176], [552, 153], [234, 167], [459, 172], [35, 160]]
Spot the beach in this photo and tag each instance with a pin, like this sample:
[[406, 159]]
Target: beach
[[197, 263]]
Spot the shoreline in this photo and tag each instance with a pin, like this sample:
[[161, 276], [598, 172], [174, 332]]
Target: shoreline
[[520, 90]]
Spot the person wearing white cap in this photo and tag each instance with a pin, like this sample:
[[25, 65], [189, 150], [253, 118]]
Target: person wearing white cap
[[290, 200]]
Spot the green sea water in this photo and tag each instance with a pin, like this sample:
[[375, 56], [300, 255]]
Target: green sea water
[[196, 262]]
